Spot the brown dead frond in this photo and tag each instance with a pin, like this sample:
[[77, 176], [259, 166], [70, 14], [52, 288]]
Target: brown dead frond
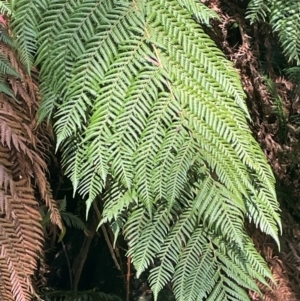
[[23, 182]]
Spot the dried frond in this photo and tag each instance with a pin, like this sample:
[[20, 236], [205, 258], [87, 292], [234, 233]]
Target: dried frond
[[23, 181]]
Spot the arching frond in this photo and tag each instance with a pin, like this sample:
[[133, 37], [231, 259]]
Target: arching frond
[[285, 18], [149, 242], [25, 20], [151, 115]]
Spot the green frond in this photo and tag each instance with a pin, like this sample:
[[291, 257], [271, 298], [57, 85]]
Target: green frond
[[249, 262], [137, 220], [150, 142], [238, 271], [6, 38], [4, 88], [203, 262], [232, 291], [70, 115], [258, 10], [221, 211], [217, 293], [5, 8], [117, 226], [48, 104], [149, 242], [171, 250], [6, 68], [91, 187], [62, 204], [199, 10], [294, 74], [117, 199], [188, 260], [168, 27], [177, 178], [257, 212], [75, 162], [285, 19], [57, 13], [218, 209], [25, 18], [72, 220], [172, 142], [150, 115], [200, 281]]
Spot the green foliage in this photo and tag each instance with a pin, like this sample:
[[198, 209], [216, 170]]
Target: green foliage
[[5, 8], [284, 16], [151, 115]]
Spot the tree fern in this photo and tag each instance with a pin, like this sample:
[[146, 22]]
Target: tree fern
[[151, 116], [258, 9]]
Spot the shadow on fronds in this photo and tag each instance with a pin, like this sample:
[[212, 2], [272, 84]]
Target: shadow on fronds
[[22, 177]]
